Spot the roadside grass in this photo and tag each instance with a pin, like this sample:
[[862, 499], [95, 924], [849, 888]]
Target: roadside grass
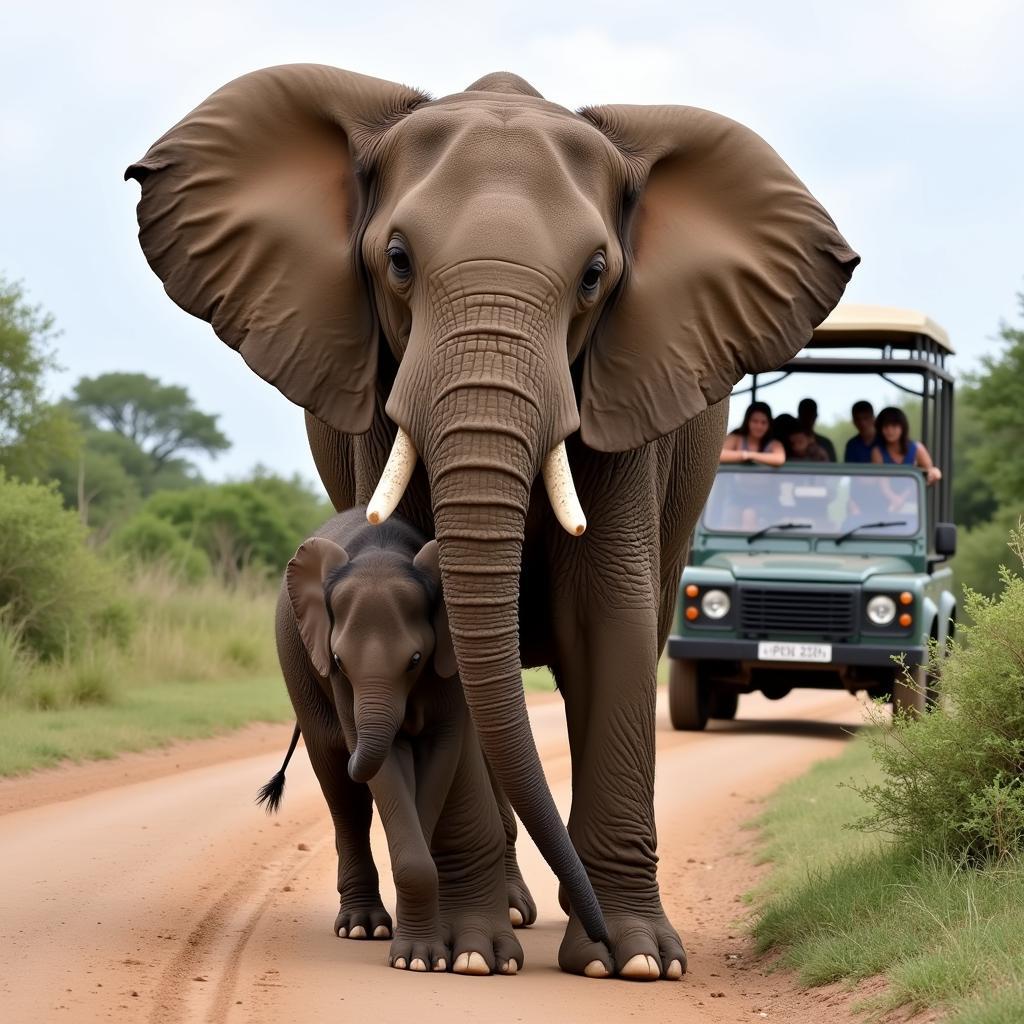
[[841, 904], [137, 718]]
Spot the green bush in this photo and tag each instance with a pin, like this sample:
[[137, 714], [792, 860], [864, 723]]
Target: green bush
[[147, 539], [55, 593], [981, 550], [256, 523], [954, 779]]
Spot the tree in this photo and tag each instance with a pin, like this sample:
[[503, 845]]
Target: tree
[[160, 419], [31, 430], [995, 396]]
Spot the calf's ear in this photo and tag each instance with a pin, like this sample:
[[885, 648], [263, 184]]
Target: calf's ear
[[445, 663], [305, 578]]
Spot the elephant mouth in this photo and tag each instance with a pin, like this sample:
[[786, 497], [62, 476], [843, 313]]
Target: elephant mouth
[[555, 471]]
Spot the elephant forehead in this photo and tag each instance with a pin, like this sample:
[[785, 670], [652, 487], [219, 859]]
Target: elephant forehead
[[517, 143], [465, 182]]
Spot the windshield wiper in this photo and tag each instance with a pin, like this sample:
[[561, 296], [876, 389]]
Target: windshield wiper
[[779, 526], [870, 526]]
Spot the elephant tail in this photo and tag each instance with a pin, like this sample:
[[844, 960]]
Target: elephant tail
[[270, 795]]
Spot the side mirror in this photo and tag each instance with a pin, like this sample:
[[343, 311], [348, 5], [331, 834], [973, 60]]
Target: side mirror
[[945, 539]]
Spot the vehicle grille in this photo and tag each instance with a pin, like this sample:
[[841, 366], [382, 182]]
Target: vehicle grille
[[771, 612]]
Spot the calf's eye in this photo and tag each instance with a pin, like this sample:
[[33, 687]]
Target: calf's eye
[[415, 660]]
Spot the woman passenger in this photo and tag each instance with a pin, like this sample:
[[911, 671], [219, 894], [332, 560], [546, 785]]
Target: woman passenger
[[752, 441], [893, 446]]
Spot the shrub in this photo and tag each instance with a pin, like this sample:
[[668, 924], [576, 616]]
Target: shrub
[[55, 593], [954, 779], [147, 539]]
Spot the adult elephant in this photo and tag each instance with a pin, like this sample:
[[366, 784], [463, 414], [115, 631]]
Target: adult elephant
[[496, 274]]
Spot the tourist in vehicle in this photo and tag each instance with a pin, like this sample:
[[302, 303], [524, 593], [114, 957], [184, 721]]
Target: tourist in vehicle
[[895, 448], [802, 447], [752, 440], [807, 414], [860, 446]]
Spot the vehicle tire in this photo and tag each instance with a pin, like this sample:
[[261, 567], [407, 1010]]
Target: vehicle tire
[[911, 695], [724, 704], [689, 701]]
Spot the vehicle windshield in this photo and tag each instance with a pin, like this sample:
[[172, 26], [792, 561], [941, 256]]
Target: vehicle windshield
[[789, 503]]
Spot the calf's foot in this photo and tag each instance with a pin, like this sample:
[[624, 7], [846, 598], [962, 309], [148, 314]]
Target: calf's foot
[[483, 944], [363, 921], [419, 953]]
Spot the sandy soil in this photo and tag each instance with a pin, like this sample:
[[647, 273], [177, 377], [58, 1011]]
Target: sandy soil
[[151, 889]]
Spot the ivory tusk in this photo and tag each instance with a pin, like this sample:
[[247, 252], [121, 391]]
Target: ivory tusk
[[562, 491], [394, 480]]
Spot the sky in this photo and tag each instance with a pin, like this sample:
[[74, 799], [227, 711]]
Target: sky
[[903, 117]]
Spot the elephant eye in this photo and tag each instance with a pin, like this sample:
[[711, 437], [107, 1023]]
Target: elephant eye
[[415, 660], [337, 662], [398, 260], [592, 275]]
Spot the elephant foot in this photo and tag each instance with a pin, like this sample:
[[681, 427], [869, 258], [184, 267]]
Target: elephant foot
[[642, 947], [522, 911], [364, 922], [482, 945], [419, 954]]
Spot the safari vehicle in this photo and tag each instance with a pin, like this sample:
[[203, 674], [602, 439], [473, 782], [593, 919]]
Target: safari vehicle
[[819, 574]]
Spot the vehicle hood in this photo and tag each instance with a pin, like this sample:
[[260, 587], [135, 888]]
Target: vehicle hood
[[809, 567]]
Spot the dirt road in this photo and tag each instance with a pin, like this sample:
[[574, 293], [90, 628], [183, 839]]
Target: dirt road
[[173, 899]]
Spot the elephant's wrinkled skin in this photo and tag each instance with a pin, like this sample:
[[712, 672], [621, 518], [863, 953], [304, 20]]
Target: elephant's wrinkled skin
[[495, 273], [364, 646]]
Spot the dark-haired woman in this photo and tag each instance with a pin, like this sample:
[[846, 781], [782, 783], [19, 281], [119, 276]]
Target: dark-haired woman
[[752, 441], [893, 446]]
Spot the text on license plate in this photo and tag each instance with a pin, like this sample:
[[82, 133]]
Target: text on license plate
[[775, 650]]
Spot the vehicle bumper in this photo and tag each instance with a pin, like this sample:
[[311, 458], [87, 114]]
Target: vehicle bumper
[[720, 649]]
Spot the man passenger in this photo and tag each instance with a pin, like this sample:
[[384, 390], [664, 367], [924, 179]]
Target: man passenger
[[858, 448]]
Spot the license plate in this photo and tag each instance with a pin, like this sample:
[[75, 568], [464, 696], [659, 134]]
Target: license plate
[[775, 650]]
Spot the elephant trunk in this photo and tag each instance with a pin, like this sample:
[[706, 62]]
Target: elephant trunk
[[377, 720], [481, 468]]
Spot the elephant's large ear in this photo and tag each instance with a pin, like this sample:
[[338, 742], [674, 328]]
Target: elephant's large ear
[[732, 264], [304, 581], [250, 216]]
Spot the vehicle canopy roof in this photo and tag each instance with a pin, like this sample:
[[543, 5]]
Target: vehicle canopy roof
[[853, 326]]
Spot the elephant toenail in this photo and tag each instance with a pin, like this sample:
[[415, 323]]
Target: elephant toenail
[[461, 963], [477, 964], [417, 965], [342, 933], [441, 965], [675, 971], [359, 932], [382, 931], [641, 967], [595, 969], [516, 917], [511, 967], [399, 963]]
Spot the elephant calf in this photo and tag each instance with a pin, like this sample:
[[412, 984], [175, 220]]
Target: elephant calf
[[363, 641]]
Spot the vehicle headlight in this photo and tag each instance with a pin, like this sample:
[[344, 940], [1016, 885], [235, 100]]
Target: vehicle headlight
[[881, 610], [715, 604]]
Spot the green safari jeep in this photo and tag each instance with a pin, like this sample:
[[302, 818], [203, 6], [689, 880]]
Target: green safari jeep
[[817, 574]]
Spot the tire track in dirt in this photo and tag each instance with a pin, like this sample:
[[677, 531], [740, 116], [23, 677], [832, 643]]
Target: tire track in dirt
[[112, 904]]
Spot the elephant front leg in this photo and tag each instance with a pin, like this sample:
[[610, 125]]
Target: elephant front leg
[[522, 910], [608, 677], [470, 850], [419, 943]]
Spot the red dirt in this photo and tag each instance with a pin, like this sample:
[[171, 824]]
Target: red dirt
[[150, 888]]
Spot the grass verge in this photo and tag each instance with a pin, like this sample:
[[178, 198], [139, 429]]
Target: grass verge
[[136, 719], [844, 905]]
